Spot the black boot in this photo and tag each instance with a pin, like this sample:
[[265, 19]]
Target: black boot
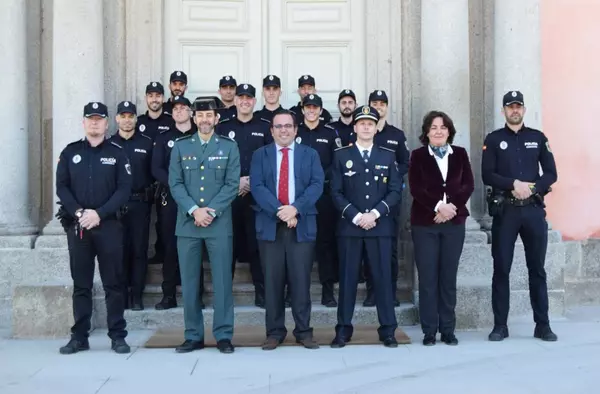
[[327, 297], [167, 302], [370, 300], [136, 303], [259, 295]]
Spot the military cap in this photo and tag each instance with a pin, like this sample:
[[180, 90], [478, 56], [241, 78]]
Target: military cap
[[366, 112], [378, 95], [126, 107], [155, 87], [181, 100], [95, 108], [245, 89], [227, 80], [312, 99], [271, 80], [207, 103], [346, 93], [178, 76], [513, 97], [306, 80]]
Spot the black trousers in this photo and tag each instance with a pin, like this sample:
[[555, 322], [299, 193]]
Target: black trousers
[[530, 223], [245, 245], [159, 248], [326, 246], [135, 247], [379, 254], [437, 253], [277, 257], [106, 243], [394, 260]]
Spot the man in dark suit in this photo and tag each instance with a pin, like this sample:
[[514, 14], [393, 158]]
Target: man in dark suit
[[286, 180], [366, 185]]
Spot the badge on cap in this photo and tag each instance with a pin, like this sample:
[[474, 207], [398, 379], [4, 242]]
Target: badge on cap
[[379, 92], [178, 73], [76, 159], [270, 77], [142, 127], [347, 91], [227, 78], [245, 86], [311, 97], [170, 144], [232, 134], [366, 110], [126, 104], [349, 164], [514, 94], [503, 145], [128, 168], [95, 105], [154, 84], [298, 140], [305, 77]]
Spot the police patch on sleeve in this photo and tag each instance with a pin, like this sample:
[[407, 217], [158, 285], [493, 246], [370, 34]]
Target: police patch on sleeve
[[142, 128], [76, 159], [548, 147], [128, 168], [232, 134], [338, 142]]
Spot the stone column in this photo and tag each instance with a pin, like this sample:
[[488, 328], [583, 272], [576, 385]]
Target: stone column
[[14, 193], [77, 75], [517, 57], [445, 81]]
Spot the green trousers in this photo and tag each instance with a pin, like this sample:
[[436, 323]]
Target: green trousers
[[190, 261]]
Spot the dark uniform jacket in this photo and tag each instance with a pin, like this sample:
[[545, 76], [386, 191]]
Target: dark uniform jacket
[[153, 127], [267, 114], [324, 139], [161, 154], [138, 149], [345, 132], [393, 138]]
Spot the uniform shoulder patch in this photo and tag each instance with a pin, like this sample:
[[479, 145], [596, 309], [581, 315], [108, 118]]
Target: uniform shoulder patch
[[343, 147], [145, 136], [227, 138], [183, 137], [265, 120], [388, 149], [224, 120], [117, 145]]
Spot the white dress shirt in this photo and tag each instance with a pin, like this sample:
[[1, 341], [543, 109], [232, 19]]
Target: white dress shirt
[[443, 166], [361, 150], [291, 180]]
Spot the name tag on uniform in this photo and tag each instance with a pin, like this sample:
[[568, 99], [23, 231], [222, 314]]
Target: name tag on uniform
[[164, 128], [140, 150], [380, 167], [322, 140], [531, 145], [218, 158], [349, 173], [392, 142], [108, 160], [258, 134]]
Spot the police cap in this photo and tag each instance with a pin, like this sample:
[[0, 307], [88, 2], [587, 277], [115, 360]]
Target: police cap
[[271, 80], [245, 90], [312, 99], [227, 80], [378, 95], [513, 97], [126, 107], [207, 103], [155, 87], [95, 108], [346, 93], [178, 76], [306, 80], [181, 100], [366, 112]]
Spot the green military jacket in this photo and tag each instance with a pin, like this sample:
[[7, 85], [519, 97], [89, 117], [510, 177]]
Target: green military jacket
[[204, 177]]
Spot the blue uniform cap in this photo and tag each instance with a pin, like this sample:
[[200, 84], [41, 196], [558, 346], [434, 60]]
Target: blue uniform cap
[[227, 80], [245, 89], [126, 107], [513, 97], [178, 76], [95, 109], [312, 99], [378, 95], [365, 112]]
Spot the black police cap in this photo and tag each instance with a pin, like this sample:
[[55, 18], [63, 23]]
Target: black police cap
[[207, 103], [95, 108], [272, 80], [378, 95], [178, 76], [346, 93], [181, 100], [155, 87], [365, 112], [513, 97], [306, 80], [227, 80], [245, 89], [126, 107], [312, 99]]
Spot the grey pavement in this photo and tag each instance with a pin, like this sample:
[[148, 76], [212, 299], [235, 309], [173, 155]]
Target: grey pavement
[[520, 364]]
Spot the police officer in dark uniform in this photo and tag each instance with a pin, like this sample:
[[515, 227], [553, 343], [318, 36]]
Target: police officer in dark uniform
[[510, 164], [271, 95], [93, 182], [324, 139], [392, 138], [178, 84], [306, 86], [250, 133], [138, 147], [167, 209], [227, 86], [366, 185], [344, 127]]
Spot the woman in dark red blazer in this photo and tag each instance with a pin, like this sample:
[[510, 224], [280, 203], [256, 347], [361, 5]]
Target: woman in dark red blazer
[[441, 183]]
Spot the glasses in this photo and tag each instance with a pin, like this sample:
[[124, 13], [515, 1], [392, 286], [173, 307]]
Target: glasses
[[283, 126]]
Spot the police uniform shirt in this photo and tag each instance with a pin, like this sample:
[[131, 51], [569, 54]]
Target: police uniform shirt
[[249, 136], [161, 153], [508, 156], [97, 178], [267, 114], [324, 139], [345, 131], [393, 138], [138, 149], [227, 113], [153, 127], [297, 109]]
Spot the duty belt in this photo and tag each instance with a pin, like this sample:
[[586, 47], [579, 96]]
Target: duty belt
[[521, 203]]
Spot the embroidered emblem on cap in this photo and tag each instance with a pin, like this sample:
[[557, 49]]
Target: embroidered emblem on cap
[[311, 97], [142, 127], [232, 134], [170, 143], [227, 78], [503, 145], [270, 78], [178, 73], [126, 104], [95, 105], [305, 77], [379, 92], [245, 86], [154, 84], [514, 94], [347, 91], [366, 110], [349, 164], [76, 159]]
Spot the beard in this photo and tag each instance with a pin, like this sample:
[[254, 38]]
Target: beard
[[346, 113], [205, 128], [155, 106], [514, 120]]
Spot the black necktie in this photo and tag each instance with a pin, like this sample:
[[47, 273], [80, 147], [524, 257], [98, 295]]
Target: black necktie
[[366, 155]]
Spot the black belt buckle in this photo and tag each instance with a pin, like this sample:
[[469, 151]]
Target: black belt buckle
[[520, 203]]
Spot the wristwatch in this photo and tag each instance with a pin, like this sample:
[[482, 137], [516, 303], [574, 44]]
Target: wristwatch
[[79, 213], [212, 213]]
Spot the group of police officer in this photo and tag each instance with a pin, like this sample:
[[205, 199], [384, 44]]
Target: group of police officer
[[106, 210]]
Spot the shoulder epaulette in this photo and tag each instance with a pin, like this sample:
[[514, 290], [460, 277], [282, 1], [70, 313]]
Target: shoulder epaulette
[[343, 147], [265, 120], [224, 120], [74, 142], [183, 137], [388, 149], [227, 138], [117, 145], [164, 131], [145, 136], [168, 113], [329, 126]]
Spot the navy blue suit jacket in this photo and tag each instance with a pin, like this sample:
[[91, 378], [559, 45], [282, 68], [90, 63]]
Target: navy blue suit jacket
[[309, 179]]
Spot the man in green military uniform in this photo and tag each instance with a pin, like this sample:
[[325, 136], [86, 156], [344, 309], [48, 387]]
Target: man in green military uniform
[[204, 178]]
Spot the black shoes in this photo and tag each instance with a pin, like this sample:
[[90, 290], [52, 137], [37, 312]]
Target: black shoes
[[225, 346], [120, 346], [327, 297], [339, 342], [449, 339], [428, 340], [544, 333], [189, 346], [166, 303], [75, 346], [137, 304], [498, 334], [390, 342]]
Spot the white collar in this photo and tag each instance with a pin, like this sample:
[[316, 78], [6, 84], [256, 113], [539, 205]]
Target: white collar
[[450, 151], [361, 148], [290, 147]]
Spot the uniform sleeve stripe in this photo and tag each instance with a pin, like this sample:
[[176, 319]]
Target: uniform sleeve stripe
[[345, 210], [388, 207]]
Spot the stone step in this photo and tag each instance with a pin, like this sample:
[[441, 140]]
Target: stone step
[[406, 314]]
